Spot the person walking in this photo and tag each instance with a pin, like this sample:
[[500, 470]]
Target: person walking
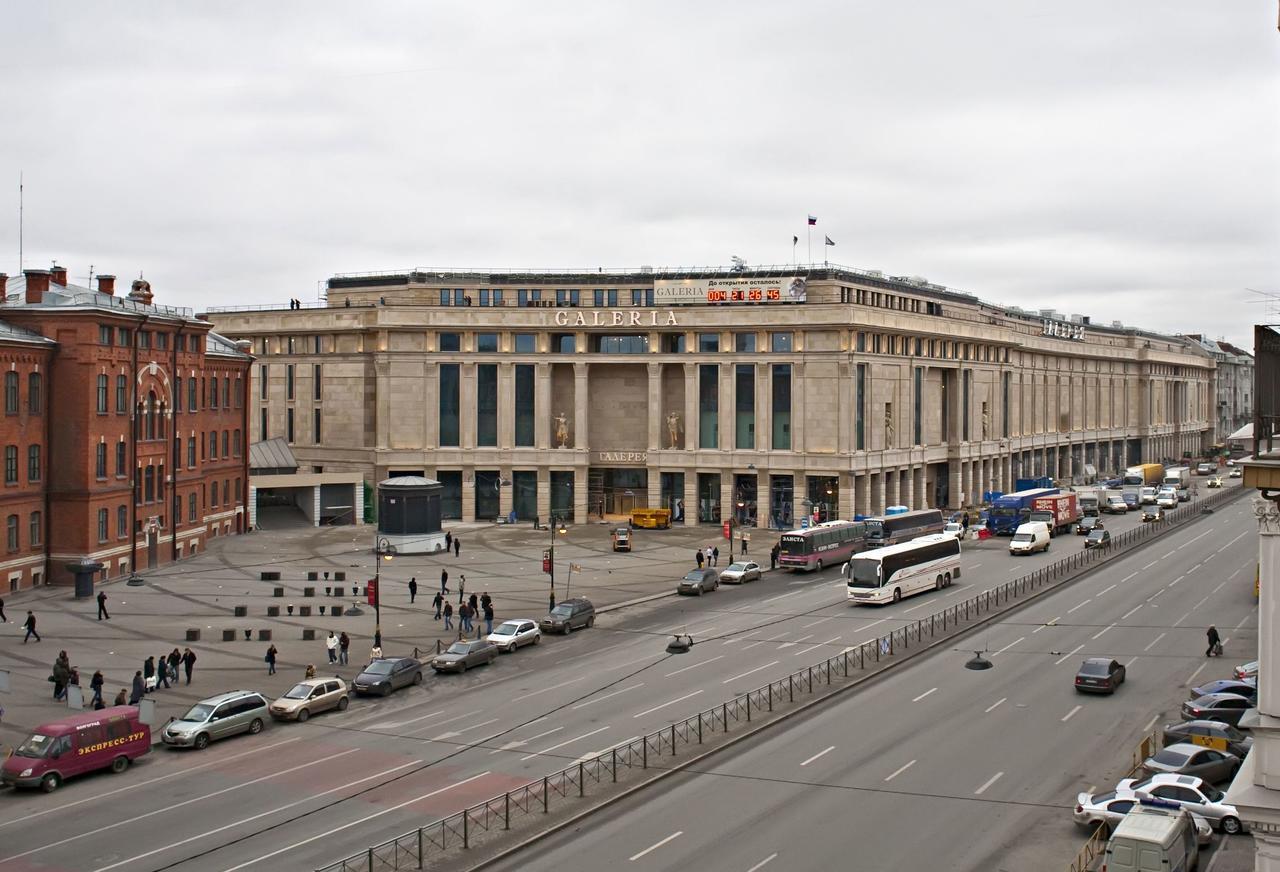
[[413, 589], [488, 617], [697, 555], [474, 602], [464, 616], [715, 556], [175, 657], [773, 556], [30, 626], [462, 587], [344, 643], [139, 688], [271, 660], [457, 547], [188, 662], [61, 676], [438, 602], [444, 581], [149, 675], [3, 618], [1215, 642], [102, 606], [448, 616], [706, 555], [95, 684], [744, 544], [162, 672], [331, 644], [485, 600], [448, 541], [122, 698]]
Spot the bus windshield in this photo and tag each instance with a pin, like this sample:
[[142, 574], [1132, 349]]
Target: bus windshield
[[794, 545], [875, 528], [864, 573], [1003, 512]]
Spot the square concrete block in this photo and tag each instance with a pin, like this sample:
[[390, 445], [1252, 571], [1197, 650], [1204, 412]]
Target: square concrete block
[[339, 576], [264, 635], [308, 635], [308, 591], [277, 591], [228, 635], [193, 634], [304, 611], [273, 611], [312, 575], [270, 575], [241, 611]]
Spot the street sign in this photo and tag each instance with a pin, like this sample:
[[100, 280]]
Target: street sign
[[371, 592], [804, 523], [546, 560]]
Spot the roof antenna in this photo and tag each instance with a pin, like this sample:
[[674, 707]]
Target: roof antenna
[[20, 211]]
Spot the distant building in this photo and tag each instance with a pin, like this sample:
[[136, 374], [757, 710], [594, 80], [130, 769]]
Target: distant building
[[1233, 386], [124, 433]]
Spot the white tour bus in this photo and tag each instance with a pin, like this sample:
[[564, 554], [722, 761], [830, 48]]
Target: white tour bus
[[888, 574]]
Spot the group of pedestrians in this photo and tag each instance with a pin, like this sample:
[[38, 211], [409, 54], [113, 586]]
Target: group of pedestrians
[[338, 647], [470, 610], [709, 556]]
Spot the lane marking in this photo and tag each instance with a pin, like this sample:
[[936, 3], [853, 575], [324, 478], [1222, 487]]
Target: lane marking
[[1219, 587], [1010, 645], [565, 742], [1127, 577], [830, 641], [1082, 605], [549, 687], [1049, 623], [763, 641], [763, 863], [977, 566], [354, 823], [1152, 643], [1151, 723], [694, 666], [1189, 541], [1156, 594], [750, 672], [1229, 544], [451, 734], [819, 754], [923, 695], [677, 834], [522, 742], [814, 623], [1103, 630], [772, 598], [1105, 589], [452, 719], [255, 817], [990, 781], [606, 696], [395, 725], [175, 805], [1242, 620], [665, 704], [989, 709], [1069, 715], [1181, 619], [1149, 565], [1199, 669], [1131, 611], [900, 770], [795, 642], [1070, 653], [913, 608]]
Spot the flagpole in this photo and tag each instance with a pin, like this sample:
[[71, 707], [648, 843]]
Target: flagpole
[[810, 226]]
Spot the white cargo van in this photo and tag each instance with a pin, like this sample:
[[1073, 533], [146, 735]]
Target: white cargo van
[[1029, 537], [1153, 839]]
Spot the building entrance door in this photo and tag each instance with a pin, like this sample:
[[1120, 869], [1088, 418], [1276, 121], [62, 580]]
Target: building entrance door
[[619, 492]]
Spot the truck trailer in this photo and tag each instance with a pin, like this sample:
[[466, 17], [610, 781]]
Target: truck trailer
[[1010, 510], [1059, 511]]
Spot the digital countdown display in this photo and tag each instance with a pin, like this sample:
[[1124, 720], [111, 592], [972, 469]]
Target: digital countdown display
[[787, 289]]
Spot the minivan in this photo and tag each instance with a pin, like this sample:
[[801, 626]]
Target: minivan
[[1153, 838], [239, 711], [569, 615], [1029, 537], [109, 738]]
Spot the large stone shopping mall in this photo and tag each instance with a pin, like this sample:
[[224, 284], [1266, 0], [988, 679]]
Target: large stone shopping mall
[[760, 395]]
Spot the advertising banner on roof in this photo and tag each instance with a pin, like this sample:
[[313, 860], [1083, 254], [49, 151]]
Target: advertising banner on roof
[[784, 289]]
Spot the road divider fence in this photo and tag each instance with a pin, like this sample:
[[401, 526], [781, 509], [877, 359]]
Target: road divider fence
[[464, 829]]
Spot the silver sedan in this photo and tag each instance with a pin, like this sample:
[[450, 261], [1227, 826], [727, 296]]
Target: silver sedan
[[740, 573], [1185, 758], [1108, 809], [1193, 794]]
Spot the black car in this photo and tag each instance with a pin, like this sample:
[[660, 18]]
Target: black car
[[1099, 675], [388, 674], [699, 581], [1088, 523], [1211, 734], [569, 615], [1248, 688], [1225, 707], [1098, 538]]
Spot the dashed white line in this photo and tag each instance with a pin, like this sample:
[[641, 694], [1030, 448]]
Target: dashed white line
[[1069, 715], [547, 688], [1082, 605], [1010, 645], [1229, 544], [597, 699], [913, 608], [923, 695], [989, 709], [990, 781], [1156, 594], [778, 597], [1151, 723], [806, 650], [665, 704], [900, 770], [694, 666], [1149, 565], [1193, 675], [763, 863], [1131, 611], [1105, 589], [1127, 577], [977, 566], [795, 642], [565, 742], [750, 672], [814, 623], [1070, 653], [509, 746], [819, 754], [1181, 619], [1241, 624], [1103, 630], [1219, 587], [1153, 642], [677, 834]]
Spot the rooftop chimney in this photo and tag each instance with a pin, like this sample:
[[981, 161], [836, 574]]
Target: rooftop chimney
[[59, 274], [141, 292], [4, 284], [37, 285], [107, 285]]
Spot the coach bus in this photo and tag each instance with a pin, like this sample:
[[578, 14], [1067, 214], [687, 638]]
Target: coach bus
[[829, 544], [888, 574], [892, 529]]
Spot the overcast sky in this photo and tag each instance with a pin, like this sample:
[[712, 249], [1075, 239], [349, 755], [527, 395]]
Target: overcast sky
[[1115, 159]]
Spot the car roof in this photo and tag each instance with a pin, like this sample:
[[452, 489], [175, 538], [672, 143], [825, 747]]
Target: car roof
[[84, 719], [1173, 778], [312, 682], [518, 621], [220, 698], [1105, 661], [1187, 748], [1220, 697]]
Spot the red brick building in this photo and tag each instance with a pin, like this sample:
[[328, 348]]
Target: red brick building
[[124, 434]]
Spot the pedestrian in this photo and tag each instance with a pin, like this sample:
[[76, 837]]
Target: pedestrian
[[122, 698], [375, 653], [413, 589], [188, 662], [311, 671], [102, 606], [464, 615], [149, 675], [95, 684], [175, 657], [715, 556], [3, 618], [331, 644], [486, 601], [488, 616], [474, 602], [162, 671], [1215, 642], [697, 555], [744, 544], [344, 642], [271, 660], [98, 704], [61, 675], [448, 616], [438, 602], [706, 555], [457, 547], [30, 627], [444, 581], [462, 587], [773, 556], [139, 688], [448, 541]]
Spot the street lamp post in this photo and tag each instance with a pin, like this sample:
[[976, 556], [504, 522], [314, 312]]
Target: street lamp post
[[385, 550], [551, 556]]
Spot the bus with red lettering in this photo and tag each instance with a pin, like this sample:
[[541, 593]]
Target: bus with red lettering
[[829, 544], [109, 738]]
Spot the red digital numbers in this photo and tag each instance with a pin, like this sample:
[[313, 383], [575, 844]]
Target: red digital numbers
[[717, 296]]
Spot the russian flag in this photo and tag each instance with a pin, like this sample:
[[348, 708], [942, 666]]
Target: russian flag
[[812, 220]]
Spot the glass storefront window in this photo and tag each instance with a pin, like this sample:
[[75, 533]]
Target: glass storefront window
[[524, 405], [562, 496], [781, 411], [487, 405], [450, 494], [672, 495], [487, 487], [709, 497], [744, 406], [781, 502]]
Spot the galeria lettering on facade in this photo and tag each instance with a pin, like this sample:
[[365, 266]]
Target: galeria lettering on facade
[[616, 318]]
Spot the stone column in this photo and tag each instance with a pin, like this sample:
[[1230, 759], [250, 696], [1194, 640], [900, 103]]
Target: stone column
[[847, 495], [908, 488], [726, 416], [506, 407], [580, 508], [690, 421], [430, 406], [923, 499], [506, 495], [797, 407], [891, 497], [469, 490], [543, 498], [581, 438], [728, 505], [764, 414], [467, 415], [690, 495], [955, 487], [657, 426], [876, 506], [382, 426], [542, 414]]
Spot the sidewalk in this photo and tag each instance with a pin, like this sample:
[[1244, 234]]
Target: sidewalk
[[201, 593]]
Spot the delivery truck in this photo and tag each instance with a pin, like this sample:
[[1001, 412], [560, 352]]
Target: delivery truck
[[1011, 510], [1059, 512], [1089, 503]]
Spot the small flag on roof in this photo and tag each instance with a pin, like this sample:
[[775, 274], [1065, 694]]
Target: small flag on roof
[[829, 242], [813, 220]]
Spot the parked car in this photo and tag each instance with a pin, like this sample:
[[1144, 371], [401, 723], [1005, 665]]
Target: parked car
[[1152, 513], [311, 697], [1210, 734], [569, 615], [1191, 793], [1236, 472], [1108, 809], [388, 674], [1185, 758], [741, 572], [1214, 482], [699, 581], [1225, 707], [1099, 675], [1247, 687], [460, 655], [1086, 524], [510, 635], [1246, 670], [1098, 539], [83, 742], [954, 529], [238, 711]]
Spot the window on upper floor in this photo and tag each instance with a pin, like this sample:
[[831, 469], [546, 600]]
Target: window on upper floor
[[100, 460], [708, 342], [35, 393], [487, 343], [11, 464], [36, 529], [34, 470], [11, 393], [780, 342], [105, 334], [102, 395], [11, 530], [744, 343], [450, 341], [673, 343], [526, 343]]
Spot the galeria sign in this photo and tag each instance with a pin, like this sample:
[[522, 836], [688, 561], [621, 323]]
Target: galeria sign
[[616, 318]]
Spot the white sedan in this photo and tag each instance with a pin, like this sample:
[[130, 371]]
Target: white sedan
[[741, 572], [510, 635], [954, 529]]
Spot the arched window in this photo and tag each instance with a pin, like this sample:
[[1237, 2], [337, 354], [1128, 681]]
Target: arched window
[[149, 484], [151, 414], [35, 402], [163, 432]]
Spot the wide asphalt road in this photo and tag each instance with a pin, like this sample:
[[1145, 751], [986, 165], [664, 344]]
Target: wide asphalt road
[[940, 767], [300, 796]]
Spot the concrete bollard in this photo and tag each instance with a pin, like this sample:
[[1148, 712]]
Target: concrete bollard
[[241, 611], [228, 635], [193, 634]]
